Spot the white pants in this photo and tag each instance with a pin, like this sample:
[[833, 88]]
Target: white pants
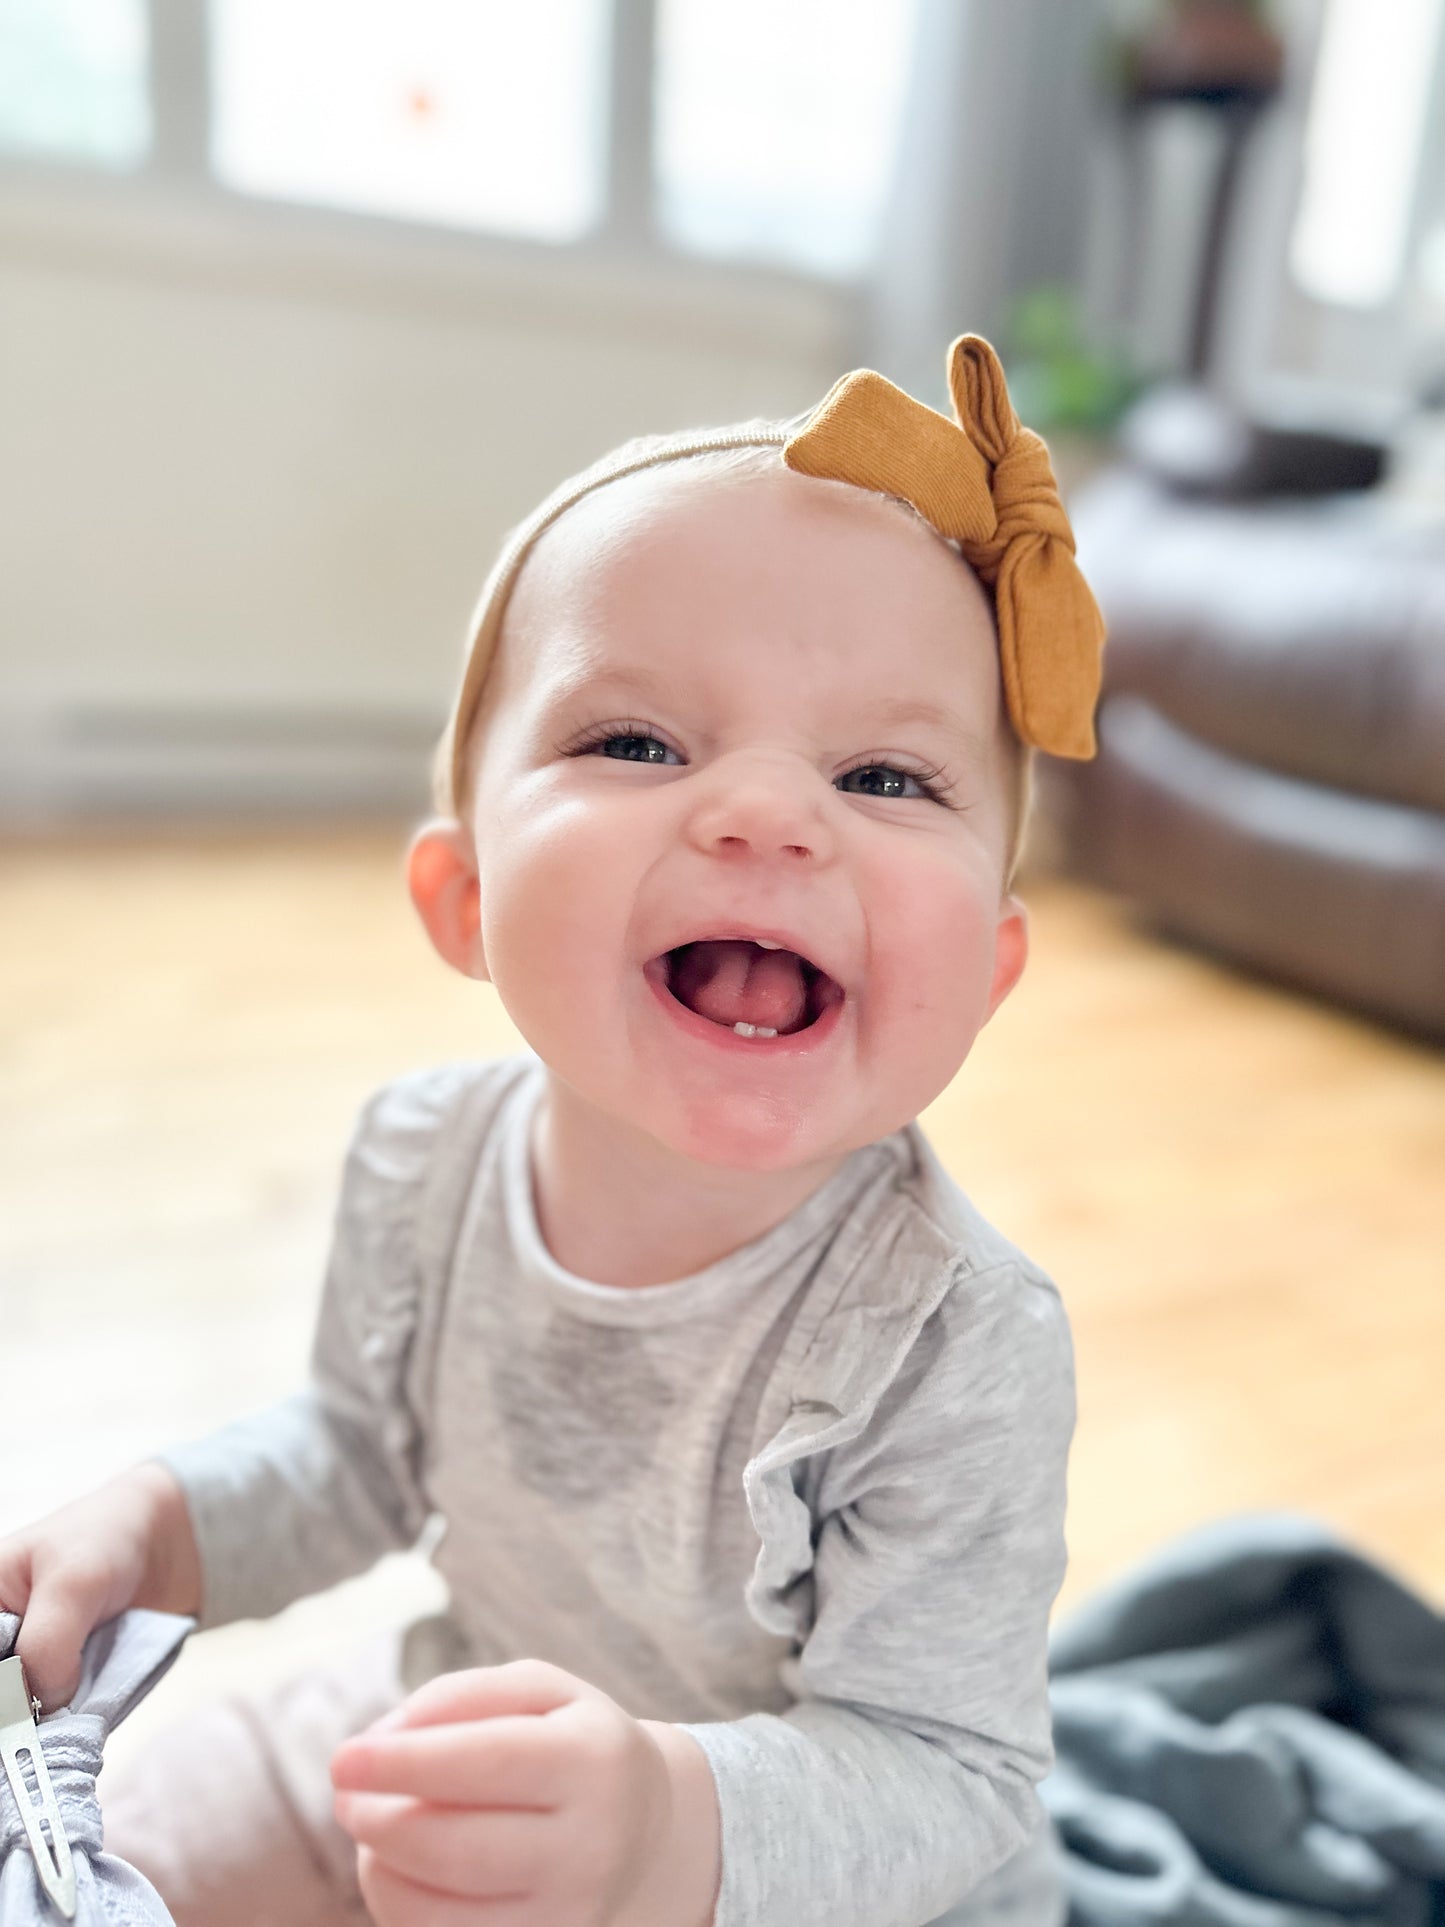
[[228, 1813]]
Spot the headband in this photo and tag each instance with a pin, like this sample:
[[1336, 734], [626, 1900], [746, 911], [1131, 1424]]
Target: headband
[[983, 481]]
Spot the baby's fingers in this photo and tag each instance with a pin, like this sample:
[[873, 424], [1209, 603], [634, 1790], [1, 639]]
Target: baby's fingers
[[469, 1852], [394, 1901], [508, 1762], [58, 1615], [14, 1575]]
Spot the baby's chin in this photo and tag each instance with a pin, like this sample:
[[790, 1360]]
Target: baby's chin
[[754, 1131]]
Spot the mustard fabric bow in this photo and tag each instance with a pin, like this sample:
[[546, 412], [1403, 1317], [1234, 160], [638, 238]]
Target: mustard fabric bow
[[985, 482]]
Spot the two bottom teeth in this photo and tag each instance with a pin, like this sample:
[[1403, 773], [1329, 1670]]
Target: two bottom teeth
[[754, 1030]]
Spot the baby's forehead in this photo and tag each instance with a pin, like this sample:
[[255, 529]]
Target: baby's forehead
[[741, 522], [696, 583]]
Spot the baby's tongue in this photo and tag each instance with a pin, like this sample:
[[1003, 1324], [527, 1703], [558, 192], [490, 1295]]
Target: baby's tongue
[[734, 982]]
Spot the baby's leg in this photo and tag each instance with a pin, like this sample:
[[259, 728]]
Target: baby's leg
[[228, 1813]]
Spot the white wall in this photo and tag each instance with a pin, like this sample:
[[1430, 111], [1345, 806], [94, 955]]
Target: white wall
[[254, 464]]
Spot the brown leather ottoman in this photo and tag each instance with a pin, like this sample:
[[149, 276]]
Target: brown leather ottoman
[[1271, 775]]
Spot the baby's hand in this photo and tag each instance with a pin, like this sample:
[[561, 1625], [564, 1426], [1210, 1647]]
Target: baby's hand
[[128, 1544], [517, 1796]]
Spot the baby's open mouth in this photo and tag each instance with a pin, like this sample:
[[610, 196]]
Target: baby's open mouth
[[736, 983]]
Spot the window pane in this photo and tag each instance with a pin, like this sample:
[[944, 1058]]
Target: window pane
[[474, 113], [73, 79], [1362, 148], [777, 122], [1430, 265]]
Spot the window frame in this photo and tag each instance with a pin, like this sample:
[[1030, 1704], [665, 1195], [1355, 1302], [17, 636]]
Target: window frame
[[172, 203]]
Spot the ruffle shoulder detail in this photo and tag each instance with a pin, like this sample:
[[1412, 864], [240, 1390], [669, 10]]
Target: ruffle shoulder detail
[[886, 1343]]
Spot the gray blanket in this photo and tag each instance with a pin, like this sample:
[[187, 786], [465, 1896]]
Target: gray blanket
[[1251, 1733]]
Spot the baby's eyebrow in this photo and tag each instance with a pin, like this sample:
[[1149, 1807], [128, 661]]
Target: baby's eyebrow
[[901, 709], [585, 682]]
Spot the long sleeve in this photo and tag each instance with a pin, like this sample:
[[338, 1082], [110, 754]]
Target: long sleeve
[[904, 1773], [319, 1486]]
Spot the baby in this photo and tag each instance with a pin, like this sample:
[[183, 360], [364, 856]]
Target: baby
[[738, 1434]]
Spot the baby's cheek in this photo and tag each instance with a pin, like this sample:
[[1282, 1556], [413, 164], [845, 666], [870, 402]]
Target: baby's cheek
[[943, 906], [554, 902], [933, 970]]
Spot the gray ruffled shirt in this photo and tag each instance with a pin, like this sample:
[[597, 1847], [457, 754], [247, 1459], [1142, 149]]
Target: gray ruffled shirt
[[807, 1502]]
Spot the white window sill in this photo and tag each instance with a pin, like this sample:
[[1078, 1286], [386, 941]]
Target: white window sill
[[146, 225]]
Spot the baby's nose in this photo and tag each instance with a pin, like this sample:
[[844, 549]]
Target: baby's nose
[[771, 808]]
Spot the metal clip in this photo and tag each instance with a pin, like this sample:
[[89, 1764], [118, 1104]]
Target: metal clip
[[30, 1783]]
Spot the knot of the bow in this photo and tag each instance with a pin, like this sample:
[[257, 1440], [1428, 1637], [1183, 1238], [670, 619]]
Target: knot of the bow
[[1026, 505], [72, 1757]]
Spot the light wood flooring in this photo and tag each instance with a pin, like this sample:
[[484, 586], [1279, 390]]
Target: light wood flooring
[[1241, 1193]]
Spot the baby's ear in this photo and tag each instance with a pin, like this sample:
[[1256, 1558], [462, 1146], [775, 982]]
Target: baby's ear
[[1011, 951], [441, 874]]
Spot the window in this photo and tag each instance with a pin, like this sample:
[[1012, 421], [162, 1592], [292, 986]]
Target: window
[[777, 124], [471, 113], [1363, 146], [73, 80], [773, 131], [1431, 266]]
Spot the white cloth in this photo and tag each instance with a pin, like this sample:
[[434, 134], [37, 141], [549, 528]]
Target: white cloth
[[120, 1663]]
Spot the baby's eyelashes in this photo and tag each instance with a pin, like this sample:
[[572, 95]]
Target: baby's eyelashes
[[624, 741], [637, 744], [928, 783]]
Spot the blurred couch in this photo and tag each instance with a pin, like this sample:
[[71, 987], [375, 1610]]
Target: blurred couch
[[1271, 776]]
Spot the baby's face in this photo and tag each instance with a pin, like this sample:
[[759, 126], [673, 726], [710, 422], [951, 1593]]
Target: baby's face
[[719, 709]]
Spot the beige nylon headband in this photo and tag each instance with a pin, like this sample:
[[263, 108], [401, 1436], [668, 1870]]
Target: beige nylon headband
[[983, 481]]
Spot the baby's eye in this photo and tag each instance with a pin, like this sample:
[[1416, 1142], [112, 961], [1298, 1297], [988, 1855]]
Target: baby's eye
[[628, 746], [886, 779]]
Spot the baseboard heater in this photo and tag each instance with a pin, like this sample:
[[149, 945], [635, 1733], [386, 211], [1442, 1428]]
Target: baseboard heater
[[82, 762]]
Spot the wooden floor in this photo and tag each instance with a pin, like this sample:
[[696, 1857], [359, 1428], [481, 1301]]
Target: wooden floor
[[1242, 1194]]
